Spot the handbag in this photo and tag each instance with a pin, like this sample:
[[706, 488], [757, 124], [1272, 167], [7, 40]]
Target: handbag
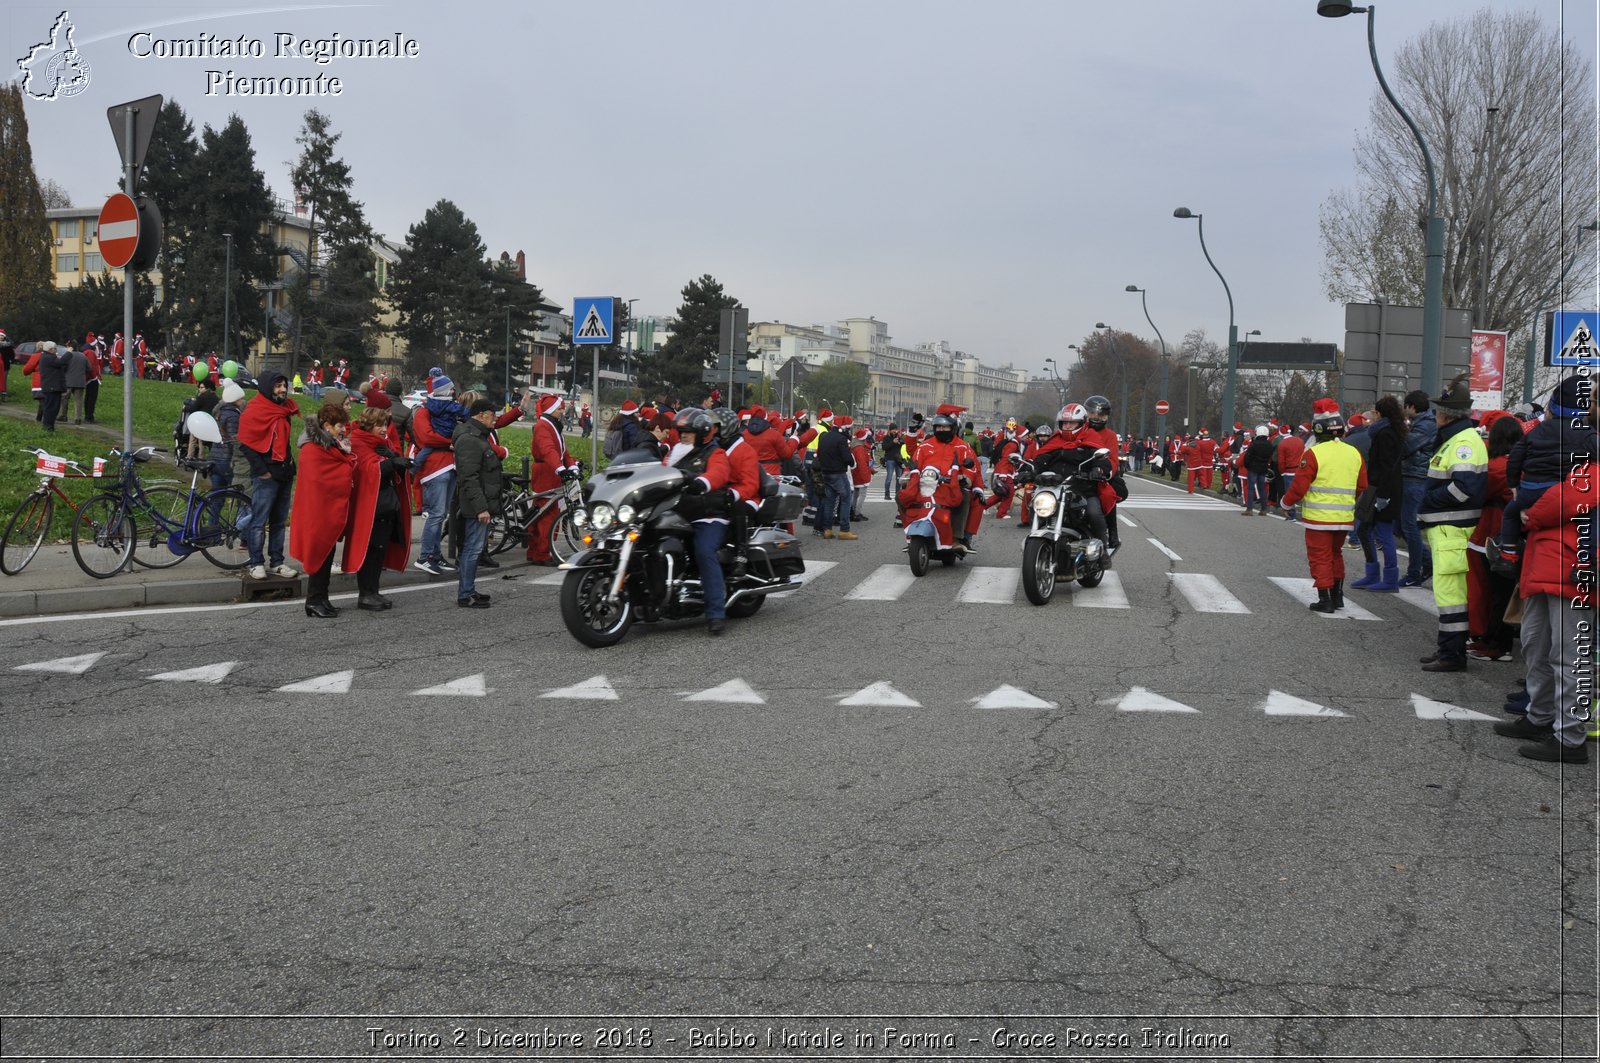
[[1366, 508]]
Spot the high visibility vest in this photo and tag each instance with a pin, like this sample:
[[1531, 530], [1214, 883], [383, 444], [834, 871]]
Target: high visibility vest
[[1329, 504], [1463, 453]]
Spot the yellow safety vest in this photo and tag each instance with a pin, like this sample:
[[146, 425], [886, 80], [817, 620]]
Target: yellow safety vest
[[1330, 503], [1462, 452]]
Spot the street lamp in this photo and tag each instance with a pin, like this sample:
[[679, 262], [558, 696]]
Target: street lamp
[[1061, 388], [1161, 418], [1233, 330], [1533, 328], [1433, 283], [227, 297], [1122, 371], [633, 343]]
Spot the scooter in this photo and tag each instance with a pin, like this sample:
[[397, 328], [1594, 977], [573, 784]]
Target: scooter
[[930, 522], [1060, 545]]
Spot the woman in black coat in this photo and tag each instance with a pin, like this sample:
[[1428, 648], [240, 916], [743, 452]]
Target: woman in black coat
[[1384, 456]]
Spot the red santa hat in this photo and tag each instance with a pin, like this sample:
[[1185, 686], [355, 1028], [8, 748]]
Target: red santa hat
[[758, 411], [824, 415], [1238, 426], [844, 420], [949, 409], [630, 408], [716, 395], [548, 404], [800, 415], [646, 412], [863, 434]]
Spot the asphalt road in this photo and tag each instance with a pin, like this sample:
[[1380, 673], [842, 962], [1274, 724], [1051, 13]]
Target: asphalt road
[[1185, 797]]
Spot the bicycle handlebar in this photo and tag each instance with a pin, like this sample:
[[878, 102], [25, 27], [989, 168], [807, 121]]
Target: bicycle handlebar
[[40, 452]]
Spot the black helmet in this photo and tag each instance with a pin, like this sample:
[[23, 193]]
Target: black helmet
[[1099, 408], [945, 424], [694, 419], [727, 425]]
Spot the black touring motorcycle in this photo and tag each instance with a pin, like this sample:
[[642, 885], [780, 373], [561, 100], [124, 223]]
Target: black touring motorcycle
[[638, 559]]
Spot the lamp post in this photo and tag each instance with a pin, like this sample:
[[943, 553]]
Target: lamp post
[[1166, 361], [1122, 371], [1061, 388], [1433, 281], [508, 354], [1231, 380], [633, 342], [227, 296], [1538, 308]]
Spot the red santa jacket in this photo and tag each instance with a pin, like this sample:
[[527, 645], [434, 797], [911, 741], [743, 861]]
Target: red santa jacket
[[1291, 451], [366, 482], [744, 473], [441, 458], [862, 473], [1550, 556], [321, 507], [770, 444], [550, 456]]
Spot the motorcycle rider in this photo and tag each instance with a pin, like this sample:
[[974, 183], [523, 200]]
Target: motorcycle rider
[[744, 480], [949, 454], [704, 502], [1099, 410], [1069, 452], [1006, 444]]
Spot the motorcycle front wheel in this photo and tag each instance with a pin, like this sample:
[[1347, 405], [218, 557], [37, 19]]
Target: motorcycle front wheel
[[917, 551], [590, 619], [1039, 570]]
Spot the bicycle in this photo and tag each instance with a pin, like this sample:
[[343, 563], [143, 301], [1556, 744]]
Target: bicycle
[[105, 534], [25, 532], [526, 507]]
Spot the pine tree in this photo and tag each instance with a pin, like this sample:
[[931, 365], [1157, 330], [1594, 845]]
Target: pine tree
[[322, 183], [515, 310], [676, 369], [25, 267], [346, 322], [442, 289]]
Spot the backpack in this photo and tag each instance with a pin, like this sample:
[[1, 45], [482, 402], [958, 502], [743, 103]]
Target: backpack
[[180, 431], [613, 443]]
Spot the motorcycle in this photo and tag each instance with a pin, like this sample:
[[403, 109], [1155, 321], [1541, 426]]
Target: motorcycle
[[930, 522], [637, 563], [1060, 545]]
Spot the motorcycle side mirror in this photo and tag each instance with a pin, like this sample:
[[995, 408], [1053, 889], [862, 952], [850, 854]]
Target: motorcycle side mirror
[[1102, 452]]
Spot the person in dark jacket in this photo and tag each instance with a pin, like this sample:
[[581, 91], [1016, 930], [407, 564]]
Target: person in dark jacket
[[478, 486], [1386, 442], [834, 462], [1545, 457], [265, 439], [1420, 438], [76, 380], [52, 371], [379, 532], [1257, 462]]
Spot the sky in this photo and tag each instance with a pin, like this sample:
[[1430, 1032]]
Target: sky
[[993, 175]]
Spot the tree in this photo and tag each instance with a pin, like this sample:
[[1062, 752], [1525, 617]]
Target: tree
[[1104, 359], [844, 385], [442, 289], [322, 183], [1523, 197], [692, 348], [347, 309], [25, 266], [55, 197], [514, 311]]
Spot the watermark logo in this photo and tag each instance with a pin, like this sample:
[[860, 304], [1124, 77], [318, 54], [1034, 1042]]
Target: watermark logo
[[55, 69]]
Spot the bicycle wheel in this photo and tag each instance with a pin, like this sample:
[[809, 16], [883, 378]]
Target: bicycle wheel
[[222, 528], [26, 531], [102, 536], [150, 547], [509, 528], [565, 538]]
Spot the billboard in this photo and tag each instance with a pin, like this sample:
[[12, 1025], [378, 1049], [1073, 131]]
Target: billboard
[[1488, 374]]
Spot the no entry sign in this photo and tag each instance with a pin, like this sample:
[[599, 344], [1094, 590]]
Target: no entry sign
[[119, 230], [1162, 406]]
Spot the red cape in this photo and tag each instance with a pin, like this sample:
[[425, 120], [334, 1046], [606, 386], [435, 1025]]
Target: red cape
[[321, 504], [264, 426], [364, 506]]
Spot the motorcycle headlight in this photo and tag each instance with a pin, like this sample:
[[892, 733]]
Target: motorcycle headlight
[[625, 514], [1044, 504], [603, 516], [580, 517]]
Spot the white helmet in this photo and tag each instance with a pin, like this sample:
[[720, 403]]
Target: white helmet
[[1262, 431]]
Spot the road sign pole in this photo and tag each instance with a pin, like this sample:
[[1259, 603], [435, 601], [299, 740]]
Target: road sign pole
[[129, 353], [594, 433]]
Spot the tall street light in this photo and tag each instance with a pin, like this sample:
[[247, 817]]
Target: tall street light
[[1061, 388], [1122, 371], [1538, 308], [1166, 362], [633, 346], [1433, 283], [1232, 379]]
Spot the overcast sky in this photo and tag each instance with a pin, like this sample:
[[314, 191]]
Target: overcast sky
[[988, 174]]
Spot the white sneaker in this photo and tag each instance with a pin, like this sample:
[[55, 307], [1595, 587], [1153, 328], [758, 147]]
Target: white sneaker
[[258, 571], [285, 571]]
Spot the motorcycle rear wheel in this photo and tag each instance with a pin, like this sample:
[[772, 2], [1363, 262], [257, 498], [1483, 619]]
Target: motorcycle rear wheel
[[917, 552], [1039, 570], [745, 608], [585, 612]]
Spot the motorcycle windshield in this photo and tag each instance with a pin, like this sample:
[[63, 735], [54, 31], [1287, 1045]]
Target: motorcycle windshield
[[635, 485]]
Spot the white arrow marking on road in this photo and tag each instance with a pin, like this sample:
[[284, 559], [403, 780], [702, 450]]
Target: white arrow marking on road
[[470, 686], [596, 689], [1280, 704], [64, 665], [733, 692], [1006, 696], [1159, 545], [815, 570], [1141, 700], [1305, 591], [1109, 595], [1205, 593], [1420, 597], [206, 673], [886, 584], [332, 683], [1428, 709], [881, 695], [991, 586]]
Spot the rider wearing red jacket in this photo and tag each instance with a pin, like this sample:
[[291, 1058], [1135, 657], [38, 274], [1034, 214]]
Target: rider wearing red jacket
[[697, 453], [949, 454], [1071, 448], [1099, 434]]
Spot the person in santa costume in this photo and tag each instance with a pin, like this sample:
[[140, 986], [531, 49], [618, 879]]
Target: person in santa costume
[[861, 472], [698, 454], [1291, 449], [1006, 447], [1330, 476], [552, 466], [1099, 433], [960, 501], [1071, 452], [772, 448]]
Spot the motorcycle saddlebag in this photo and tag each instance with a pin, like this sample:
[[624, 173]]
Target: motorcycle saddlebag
[[774, 554], [786, 505]]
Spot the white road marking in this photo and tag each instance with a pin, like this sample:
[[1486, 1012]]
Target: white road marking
[[815, 570], [64, 665], [1205, 593], [553, 579], [596, 689], [1109, 595], [1006, 696], [733, 692], [332, 683], [1125, 520], [172, 610], [992, 586], [882, 696], [886, 584], [1280, 704], [470, 686], [1159, 545], [1136, 502], [1428, 709], [205, 673], [1139, 699], [1421, 597], [1305, 590]]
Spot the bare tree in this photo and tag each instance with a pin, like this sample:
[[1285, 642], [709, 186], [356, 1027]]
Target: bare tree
[[1520, 196], [55, 197]]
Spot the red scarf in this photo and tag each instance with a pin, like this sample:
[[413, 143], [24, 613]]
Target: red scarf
[[264, 426]]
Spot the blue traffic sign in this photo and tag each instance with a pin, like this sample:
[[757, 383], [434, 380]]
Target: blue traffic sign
[[1572, 338], [591, 320]]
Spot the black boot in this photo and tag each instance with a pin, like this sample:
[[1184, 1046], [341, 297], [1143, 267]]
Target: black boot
[[1324, 602], [1338, 594]]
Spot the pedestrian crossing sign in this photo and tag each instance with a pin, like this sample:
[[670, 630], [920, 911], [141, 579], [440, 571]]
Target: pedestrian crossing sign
[[591, 320], [1572, 337]]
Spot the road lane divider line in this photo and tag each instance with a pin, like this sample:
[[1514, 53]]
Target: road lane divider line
[[1159, 545]]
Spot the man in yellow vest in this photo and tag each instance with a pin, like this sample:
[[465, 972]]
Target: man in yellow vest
[[1325, 487], [1458, 483]]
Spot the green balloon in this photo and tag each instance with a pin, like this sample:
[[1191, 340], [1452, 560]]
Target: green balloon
[[230, 369], [201, 371]]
